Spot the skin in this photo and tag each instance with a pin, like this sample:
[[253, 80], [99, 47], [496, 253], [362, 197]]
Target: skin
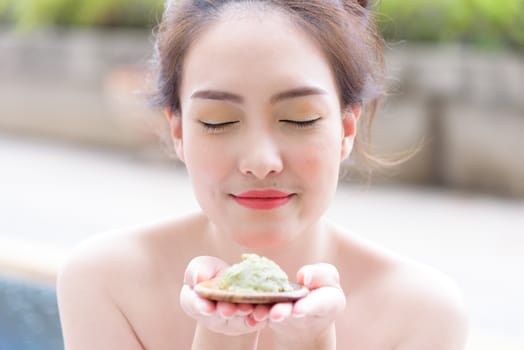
[[361, 296]]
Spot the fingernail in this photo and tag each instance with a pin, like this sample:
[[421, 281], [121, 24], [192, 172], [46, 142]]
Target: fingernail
[[260, 319], [222, 316], [251, 322], [243, 313], [244, 309], [307, 278], [277, 318], [299, 315]]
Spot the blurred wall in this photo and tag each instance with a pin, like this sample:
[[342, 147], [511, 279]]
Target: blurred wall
[[71, 85], [467, 109], [464, 107]]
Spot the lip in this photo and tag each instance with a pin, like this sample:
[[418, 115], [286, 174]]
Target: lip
[[263, 199]]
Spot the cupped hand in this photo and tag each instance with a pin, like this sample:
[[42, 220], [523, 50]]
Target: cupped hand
[[219, 317], [311, 319]]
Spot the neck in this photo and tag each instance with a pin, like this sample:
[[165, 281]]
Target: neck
[[314, 245]]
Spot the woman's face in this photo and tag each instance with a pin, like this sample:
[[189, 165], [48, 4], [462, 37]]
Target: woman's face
[[262, 133]]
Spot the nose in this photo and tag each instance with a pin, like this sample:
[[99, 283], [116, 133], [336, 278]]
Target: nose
[[260, 157]]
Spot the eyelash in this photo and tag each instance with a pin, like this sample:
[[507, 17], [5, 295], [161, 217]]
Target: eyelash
[[301, 123], [218, 127]]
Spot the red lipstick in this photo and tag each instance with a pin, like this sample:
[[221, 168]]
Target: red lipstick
[[262, 199]]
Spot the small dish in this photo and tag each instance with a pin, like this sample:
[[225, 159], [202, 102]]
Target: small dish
[[209, 290]]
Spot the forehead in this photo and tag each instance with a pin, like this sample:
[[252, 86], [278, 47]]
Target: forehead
[[247, 48]]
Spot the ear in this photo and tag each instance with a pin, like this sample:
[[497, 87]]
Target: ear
[[349, 128], [175, 126]]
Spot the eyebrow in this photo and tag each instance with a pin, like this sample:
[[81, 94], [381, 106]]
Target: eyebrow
[[230, 97], [218, 96], [298, 92]]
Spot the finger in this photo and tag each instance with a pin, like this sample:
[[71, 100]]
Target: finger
[[195, 306], [280, 311], [261, 312], [320, 302], [318, 275], [238, 326], [254, 324], [251, 322], [244, 310], [226, 310], [229, 310], [203, 268]]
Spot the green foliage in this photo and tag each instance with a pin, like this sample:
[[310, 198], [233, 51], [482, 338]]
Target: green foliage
[[27, 14], [488, 23]]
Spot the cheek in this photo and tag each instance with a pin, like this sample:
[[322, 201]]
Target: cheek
[[321, 157], [202, 164], [206, 174], [207, 163], [319, 172]]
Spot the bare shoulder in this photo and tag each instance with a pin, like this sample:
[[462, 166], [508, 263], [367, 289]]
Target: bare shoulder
[[430, 309], [101, 286], [90, 317], [107, 255], [110, 255], [412, 306]]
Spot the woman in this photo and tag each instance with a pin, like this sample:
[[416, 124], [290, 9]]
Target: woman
[[263, 99]]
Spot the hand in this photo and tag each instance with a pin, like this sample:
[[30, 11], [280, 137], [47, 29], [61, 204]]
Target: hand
[[219, 317], [309, 322]]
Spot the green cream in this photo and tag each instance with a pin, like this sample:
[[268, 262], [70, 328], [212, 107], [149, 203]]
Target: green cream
[[255, 274]]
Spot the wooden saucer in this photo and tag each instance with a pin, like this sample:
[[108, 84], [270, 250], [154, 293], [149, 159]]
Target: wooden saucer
[[209, 290]]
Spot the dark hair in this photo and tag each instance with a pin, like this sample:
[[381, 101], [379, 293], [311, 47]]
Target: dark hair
[[345, 30]]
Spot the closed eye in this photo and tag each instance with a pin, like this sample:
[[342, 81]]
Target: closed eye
[[217, 127], [301, 123]]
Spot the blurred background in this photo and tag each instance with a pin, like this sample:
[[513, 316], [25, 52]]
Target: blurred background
[[81, 153]]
